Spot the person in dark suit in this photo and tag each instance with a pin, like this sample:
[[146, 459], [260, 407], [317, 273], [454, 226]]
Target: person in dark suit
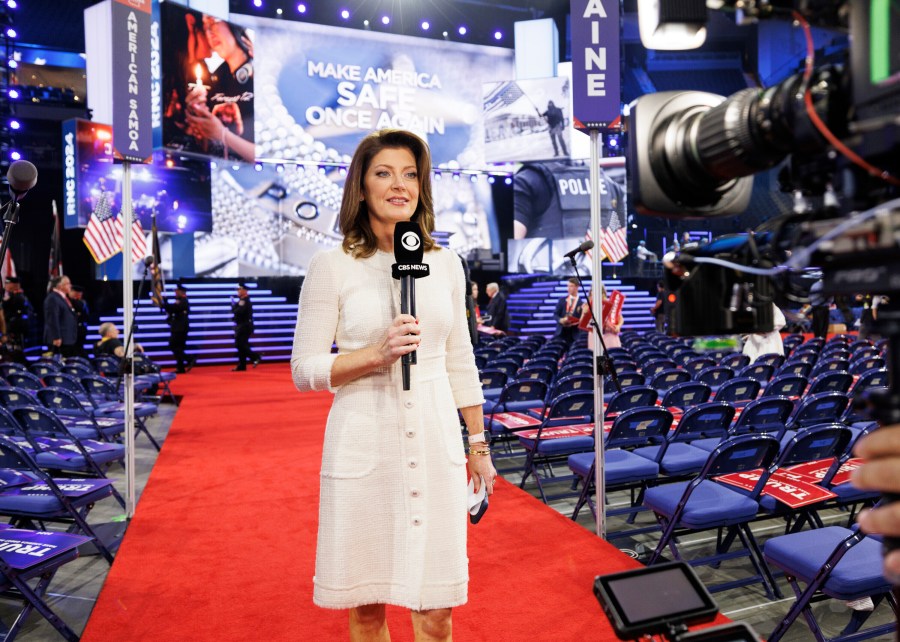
[[76, 294], [18, 312], [60, 320], [178, 311], [568, 312], [496, 309], [242, 309]]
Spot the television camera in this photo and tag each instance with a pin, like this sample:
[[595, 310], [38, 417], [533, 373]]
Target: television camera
[[693, 155]]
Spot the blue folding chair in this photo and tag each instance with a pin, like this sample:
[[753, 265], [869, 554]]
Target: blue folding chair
[[653, 368], [715, 376], [79, 417], [704, 504], [37, 498], [622, 468], [769, 359], [735, 361], [738, 392], [786, 385], [634, 397], [536, 373], [16, 397], [859, 366], [492, 382], [821, 408], [676, 456], [762, 372], [25, 578], [829, 365], [518, 396], [576, 370], [568, 408], [766, 415], [700, 363], [831, 381], [24, 380], [836, 563], [572, 383], [668, 378], [683, 395], [630, 379], [869, 380], [798, 368]]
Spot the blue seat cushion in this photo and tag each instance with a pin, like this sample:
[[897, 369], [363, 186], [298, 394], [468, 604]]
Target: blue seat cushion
[[492, 393], [46, 504], [559, 446], [708, 444], [580, 463], [72, 460], [709, 506], [680, 458], [848, 493], [802, 555], [623, 467]]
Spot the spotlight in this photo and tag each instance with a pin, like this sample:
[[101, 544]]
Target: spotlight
[[613, 142], [11, 32], [437, 176], [12, 4], [257, 3], [279, 168], [508, 180], [456, 176], [366, 24], [258, 167], [15, 155], [462, 30], [445, 34], [14, 124], [345, 14], [279, 11], [491, 180], [498, 35], [425, 25], [385, 20], [235, 167], [473, 178], [301, 8], [12, 64], [170, 163], [14, 94]]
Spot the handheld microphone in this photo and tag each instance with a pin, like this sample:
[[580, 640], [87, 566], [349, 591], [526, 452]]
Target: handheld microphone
[[584, 247], [22, 176], [149, 260], [409, 250]]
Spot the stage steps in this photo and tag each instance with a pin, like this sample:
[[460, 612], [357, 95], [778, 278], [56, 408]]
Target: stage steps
[[211, 338], [531, 308]]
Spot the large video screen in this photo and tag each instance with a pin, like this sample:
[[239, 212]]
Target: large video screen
[[208, 84], [176, 188]]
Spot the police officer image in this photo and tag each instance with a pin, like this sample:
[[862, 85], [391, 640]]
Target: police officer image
[[82, 312], [178, 311], [242, 309], [18, 312], [553, 200]]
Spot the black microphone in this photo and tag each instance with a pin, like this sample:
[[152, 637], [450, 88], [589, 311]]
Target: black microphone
[[584, 247], [22, 176], [149, 260], [409, 250]]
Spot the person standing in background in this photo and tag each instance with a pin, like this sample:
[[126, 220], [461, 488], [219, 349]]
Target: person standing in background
[[659, 308], [496, 310], [18, 312], [820, 308], [568, 312], [178, 313], [242, 310], [76, 294], [60, 321]]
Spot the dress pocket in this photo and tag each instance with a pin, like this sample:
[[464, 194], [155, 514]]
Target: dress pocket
[[450, 430], [351, 448]]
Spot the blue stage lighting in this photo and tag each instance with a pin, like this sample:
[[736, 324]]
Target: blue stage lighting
[[301, 8], [498, 35], [345, 14], [425, 25], [385, 20], [14, 124], [462, 30]]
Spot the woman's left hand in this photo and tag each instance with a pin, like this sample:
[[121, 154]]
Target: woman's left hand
[[481, 467], [202, 123]]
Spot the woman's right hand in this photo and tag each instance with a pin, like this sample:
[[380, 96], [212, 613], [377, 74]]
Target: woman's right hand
[[402, 338]]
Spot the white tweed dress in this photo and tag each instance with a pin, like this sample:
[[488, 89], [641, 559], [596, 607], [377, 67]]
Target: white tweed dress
[[392, 514]]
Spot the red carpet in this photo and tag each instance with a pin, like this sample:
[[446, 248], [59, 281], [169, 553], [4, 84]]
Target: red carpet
[[222, 546]]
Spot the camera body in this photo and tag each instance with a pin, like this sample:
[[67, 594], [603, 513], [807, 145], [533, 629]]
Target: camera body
[[693, 155]]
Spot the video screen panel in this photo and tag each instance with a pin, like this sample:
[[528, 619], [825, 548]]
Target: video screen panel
[[527, 120], [177, 188]]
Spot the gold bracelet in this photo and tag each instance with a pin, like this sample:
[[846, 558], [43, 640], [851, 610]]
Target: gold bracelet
[[479, 452]]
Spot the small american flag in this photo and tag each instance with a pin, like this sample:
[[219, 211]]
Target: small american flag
[[503, 96], [612, 242], [138, 241], [101, 236]]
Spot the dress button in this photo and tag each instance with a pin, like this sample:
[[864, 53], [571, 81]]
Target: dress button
[[410, 433], [415, 492], [416, 521], [408, 404], [412, 463]]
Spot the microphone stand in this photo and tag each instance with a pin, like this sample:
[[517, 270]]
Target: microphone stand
[[124, 365], [605, 365], [10, 218]]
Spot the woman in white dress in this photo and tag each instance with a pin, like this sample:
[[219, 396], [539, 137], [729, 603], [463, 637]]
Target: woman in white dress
[[392, 515]]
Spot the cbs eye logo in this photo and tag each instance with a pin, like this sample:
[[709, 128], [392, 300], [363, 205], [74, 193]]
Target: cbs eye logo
[[411, 241]]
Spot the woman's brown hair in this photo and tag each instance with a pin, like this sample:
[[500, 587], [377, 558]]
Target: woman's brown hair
[[359, 240]]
